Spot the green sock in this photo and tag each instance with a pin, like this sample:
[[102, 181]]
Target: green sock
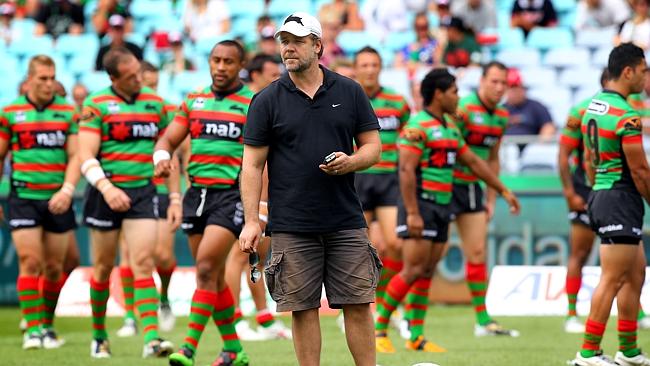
[[476, 274], [223, 315], [593, 335], [417, 302], [200, 312], [641, 314], [395, 292], [388, 271], [146, 300], [627, 337], [126, 277], [30, 302], [99, 294]]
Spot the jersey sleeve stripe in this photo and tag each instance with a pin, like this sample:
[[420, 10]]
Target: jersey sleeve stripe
[[239, 98], [411, 148], [570, 142], [632, 139], [4, 135], [463, 150], [18, 108], [90, 129], [181, 120]]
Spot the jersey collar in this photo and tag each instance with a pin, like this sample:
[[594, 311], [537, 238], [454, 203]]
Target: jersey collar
[[40, 109], [609, 91], [439, 119], [134, 97], [219, 95], [489, 110]]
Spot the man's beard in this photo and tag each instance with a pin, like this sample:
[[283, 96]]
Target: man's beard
[[302, 65]]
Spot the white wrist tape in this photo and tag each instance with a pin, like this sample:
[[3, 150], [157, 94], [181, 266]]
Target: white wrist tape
[[92, 171], [160, 155], [68, 188]]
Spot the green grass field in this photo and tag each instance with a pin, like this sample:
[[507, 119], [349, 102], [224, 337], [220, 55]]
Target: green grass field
[[542, 342]]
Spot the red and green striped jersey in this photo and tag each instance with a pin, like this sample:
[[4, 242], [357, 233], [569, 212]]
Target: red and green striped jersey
[[170, 110], [437, 142], [640, 103], [216, 125], [608, 123], [38, 138], [128, 133], [482, 129], [571, 137], [393, 112]]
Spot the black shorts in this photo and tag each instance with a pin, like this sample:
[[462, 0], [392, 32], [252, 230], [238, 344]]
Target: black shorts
[[98, 215], [616, 216], [377, 190], [25, 213], [205, 206], [466, 198], [581, 217], [161, 205], [436, 219]]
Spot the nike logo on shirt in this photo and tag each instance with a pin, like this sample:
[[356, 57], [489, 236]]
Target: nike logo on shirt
[[335, 105]]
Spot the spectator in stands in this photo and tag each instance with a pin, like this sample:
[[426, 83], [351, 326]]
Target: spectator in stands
[[267, 44], [177, 62], [7, 32], [59, 89], [106, 9], [443, 10], [116, 31], [528, 14], [637, 28], [476, 14], [206, 18], [343, 66], [79, 94], [527, 116], [344, 12], [59, 17], [461, 49], [382, 17], [426, 50], [331, 49], [595, 14], [262, 70]]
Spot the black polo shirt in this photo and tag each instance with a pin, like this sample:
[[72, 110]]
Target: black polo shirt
[[300, 132]]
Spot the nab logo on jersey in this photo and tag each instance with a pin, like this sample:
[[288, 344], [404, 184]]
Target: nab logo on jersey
[[123, 131], [215, 130], [41, 139]]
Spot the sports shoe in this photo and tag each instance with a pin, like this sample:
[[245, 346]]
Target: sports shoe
[[599, 359], [422, 345], [32, 341], [644, 323], [166, 318], [639, 360], [276, 331], [573, 325], [493, 329], [405, 329], [22, 325], [227, 358], [128, 329], [340, 321], [383, 343], [100, 348], [51, 340], [246, 333], [157, 348], [183, 357]]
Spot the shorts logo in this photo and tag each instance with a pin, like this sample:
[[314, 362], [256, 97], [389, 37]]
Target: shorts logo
[[238, 219], [186, 226], [99, 223], [608, 228], [637, 231], [21, 222]]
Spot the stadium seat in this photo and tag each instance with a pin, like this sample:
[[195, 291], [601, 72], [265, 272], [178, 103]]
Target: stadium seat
[[72, 45], [142, 9], [387, 57], [469, 78], [204, 46], [248, 8], [595, 38], [189, 81], [23, 27], [556, 99], [567, 19], [548, 38], [242, 26], [539, 157], [519, 58], [563, 6], [509, 156], [80, 64], [584, 93], [137, 39], [396, 79], [562, 58], [580, 76], [601, 56], [68, 80], [95, 80], [395, 41], [559, 112], [282, 8], [34, 46], [538, 77], [352, 41], [510, 38]]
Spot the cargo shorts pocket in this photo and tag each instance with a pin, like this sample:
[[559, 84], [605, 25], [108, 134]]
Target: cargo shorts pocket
[[272, 276], [375, 265]]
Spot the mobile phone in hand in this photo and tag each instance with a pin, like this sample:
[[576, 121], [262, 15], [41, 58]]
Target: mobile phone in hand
[[329, 158]]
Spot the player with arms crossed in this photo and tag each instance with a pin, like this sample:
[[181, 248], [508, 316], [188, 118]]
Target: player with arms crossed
[[212, 211], [117, 132], [612, 132], [40, 128]]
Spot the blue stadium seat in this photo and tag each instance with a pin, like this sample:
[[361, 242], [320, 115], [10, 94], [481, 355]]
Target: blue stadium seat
[[252, 8], [189, 81], [601, 56], [205, 45], [25, 27], [562, 6], [596, 38], [539, 157], [81, 64], [548, 38], [137, 39], [469, 78], [282, 8], [68, 80], [387, 57], [561, 58], [352, 41], [584, 93], [538, 77], [556, 99], [244, 26], [510, 38], [581, 77], [395, 41], [32, 46], [523, 57], [95, 80], [567, 19], [142, 9], [73, 45]]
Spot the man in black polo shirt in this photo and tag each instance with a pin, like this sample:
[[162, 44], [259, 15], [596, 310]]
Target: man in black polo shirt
[[315, 218]]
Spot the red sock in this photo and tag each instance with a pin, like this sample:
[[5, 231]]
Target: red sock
[[572, 288]]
